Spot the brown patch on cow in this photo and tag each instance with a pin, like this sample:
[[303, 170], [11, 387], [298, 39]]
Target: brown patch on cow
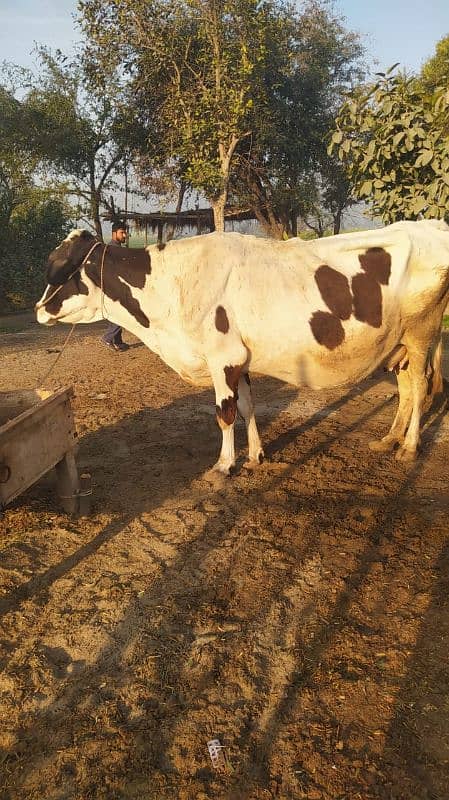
[[221, 320], [367, 299], [327, 329], [335, 291], [72, 288], [132, 265], [232, 375], [228, 411], [115, 271], [377, 264]]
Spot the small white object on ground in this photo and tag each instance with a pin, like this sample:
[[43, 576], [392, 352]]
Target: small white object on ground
[[215, 751]]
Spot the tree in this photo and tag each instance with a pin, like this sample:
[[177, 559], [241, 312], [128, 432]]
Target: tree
[[325, 197], [285, 172], [235, 96], [35, 228], [33, 221], [394, 141], [195, 69], [17, 166], [435, 72], [75, 128]]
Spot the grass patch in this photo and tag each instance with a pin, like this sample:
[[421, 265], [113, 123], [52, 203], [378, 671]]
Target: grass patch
[[446, 322]]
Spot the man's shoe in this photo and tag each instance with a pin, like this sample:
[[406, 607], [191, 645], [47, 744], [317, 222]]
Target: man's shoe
[[119, 348]]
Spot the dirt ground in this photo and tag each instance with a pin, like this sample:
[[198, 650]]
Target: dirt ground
[[299, 614]]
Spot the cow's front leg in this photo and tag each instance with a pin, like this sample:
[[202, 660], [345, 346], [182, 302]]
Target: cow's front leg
[[246, 409], [226, 381]]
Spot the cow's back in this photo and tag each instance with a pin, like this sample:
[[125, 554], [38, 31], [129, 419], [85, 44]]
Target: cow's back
[[322, 312]]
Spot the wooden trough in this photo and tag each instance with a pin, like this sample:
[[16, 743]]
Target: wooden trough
[[37, 433]]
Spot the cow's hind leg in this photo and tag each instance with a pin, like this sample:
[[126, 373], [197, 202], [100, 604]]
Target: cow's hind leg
[[418, 361], [396, 434], [426, 381], [246, 409]]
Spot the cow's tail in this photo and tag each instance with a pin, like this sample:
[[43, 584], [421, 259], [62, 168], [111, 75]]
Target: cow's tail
[[434, 372]]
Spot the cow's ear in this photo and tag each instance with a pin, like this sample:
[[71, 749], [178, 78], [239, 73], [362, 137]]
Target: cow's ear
[[66, 258]]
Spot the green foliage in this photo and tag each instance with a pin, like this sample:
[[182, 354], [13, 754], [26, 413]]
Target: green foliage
[[35, 228], [75, 122], [32, 220], [394, 141], [435, 71], [196, 69], [230, 94], [285, 169]]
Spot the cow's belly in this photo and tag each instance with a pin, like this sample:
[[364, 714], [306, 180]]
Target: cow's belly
[[317, 367], [182, 356]]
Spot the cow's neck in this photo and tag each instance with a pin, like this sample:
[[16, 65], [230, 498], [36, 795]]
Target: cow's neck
[[116, 313]]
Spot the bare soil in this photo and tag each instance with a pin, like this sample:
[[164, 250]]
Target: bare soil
[[299, 614]]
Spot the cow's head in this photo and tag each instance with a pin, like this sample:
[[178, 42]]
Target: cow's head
[[71, 296]]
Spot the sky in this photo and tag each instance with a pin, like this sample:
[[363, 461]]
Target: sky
[[392, 30]]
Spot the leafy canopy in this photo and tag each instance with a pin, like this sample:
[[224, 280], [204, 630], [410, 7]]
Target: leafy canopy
[[435, 72], [394, 141], [193, 67]]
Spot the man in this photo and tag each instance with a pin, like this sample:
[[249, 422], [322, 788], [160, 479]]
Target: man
[[113, 335]]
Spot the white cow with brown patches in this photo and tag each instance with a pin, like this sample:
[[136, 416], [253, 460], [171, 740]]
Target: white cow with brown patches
[[319, 313]]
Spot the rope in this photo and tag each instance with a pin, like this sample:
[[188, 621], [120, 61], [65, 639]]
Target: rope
[[43, 303], [103, 307], [58, 289], [50, 370]]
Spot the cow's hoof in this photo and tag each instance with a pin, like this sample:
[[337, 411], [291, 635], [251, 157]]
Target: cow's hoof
[[250, 464], [382, 445], [217, 476], [406, 456], [253, 463]]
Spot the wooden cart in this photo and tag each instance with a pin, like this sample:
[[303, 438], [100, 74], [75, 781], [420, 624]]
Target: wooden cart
[[37, 433]]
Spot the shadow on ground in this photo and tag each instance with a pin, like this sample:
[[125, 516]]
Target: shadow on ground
[[278, 614]]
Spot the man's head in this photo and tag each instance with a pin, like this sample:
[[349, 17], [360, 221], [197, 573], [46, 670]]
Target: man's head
[[119, 232]]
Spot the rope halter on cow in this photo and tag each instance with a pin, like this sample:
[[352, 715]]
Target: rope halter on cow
[[43, 303]]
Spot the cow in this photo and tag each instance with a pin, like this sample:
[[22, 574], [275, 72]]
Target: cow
[[317, 313]]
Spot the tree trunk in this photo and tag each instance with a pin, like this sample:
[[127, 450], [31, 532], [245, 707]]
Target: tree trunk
[[95, 205], [272, 227], [218, 207], [294, 224], [218, 203], [337, 221], [95, 211], [171, 229], [182, 191], [263, 211]]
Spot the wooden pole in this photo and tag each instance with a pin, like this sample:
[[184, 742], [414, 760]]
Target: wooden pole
[[126, 203], [68, 483]]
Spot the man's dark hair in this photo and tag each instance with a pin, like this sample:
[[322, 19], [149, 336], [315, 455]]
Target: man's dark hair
[[118, 226]]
